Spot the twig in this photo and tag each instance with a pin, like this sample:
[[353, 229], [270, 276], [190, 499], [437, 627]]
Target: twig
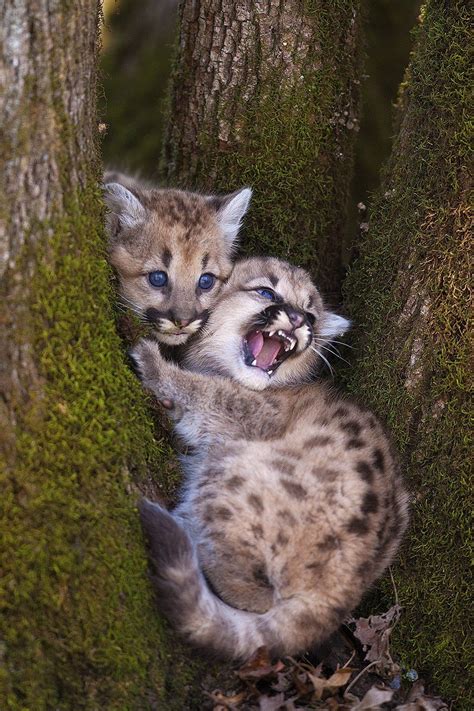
[[349, 660], [395, 591], [372, 664]]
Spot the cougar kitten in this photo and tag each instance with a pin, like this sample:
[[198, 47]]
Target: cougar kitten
[[172, 249], [293, 503]]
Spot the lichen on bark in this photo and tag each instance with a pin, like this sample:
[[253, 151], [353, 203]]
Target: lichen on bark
[[267, 94], [410, 296]]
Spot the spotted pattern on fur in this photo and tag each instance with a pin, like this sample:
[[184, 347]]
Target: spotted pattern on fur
[[293, 501]]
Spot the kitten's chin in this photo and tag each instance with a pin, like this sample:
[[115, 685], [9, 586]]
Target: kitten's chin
[[252, 378], [172, 339]]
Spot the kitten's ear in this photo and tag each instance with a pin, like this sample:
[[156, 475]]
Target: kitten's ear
[[333, 325], [125, 209], [230, 211]]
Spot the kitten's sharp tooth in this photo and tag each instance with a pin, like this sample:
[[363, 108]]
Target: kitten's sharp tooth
[[271, 333], [254, 362]]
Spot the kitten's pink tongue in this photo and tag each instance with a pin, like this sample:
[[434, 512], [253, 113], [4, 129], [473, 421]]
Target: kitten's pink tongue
[[268, 353], [264, 350], [255, 343]]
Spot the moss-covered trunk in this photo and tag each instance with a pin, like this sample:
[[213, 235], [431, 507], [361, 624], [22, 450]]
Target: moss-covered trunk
[[410, 297], [77, 623], [267, 94]]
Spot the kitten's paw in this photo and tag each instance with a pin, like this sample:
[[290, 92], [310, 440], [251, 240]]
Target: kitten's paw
[[147, 361]]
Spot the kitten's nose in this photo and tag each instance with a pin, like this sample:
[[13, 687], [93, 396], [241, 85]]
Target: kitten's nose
[[182, 322], [296, 317]]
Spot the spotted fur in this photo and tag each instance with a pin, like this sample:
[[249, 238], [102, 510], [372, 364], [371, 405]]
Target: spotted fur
[[284, 521], [181, 233]]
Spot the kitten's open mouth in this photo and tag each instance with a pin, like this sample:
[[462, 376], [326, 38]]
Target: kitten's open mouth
[[268, 349]]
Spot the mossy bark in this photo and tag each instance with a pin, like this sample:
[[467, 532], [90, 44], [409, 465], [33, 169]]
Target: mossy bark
[[78, 629], [410, 297], [267, 94]]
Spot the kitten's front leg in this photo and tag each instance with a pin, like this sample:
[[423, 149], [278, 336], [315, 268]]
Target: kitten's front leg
[[185, 395], [205, 406], [157, 374]]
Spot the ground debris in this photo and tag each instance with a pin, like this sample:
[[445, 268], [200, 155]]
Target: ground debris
[[417, 700], [374, 634], [357, 677]]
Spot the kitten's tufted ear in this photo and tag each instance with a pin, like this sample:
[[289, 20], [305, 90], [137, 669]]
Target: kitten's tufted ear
[[333, 325], [230, 211], [125, 210]]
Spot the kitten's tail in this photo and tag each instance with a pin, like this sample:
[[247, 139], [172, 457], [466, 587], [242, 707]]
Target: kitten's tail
[[185, 598]]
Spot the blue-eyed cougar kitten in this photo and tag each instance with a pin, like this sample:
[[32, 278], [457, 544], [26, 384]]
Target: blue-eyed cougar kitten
[[293, 503], [172, 250]]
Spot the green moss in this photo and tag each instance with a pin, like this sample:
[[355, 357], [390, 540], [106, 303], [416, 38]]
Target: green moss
[[409, 295], [78, 625]]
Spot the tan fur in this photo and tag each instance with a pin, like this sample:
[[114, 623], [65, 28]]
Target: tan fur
[[293, 503], [181, 233]]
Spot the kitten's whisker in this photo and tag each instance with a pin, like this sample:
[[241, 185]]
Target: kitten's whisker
[[324, 359], [331, 341], [334, 352], [341, 343], [126, 300], [131, 307]]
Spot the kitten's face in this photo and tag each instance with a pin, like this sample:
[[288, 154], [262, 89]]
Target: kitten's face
[[266, 328], [172, 251]]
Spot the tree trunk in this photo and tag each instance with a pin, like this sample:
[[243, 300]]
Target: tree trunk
[[77, 622], [267, 94], [410, 296]]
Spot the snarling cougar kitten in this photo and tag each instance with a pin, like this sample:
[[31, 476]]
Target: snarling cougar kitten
[[293, 504], [172, 249]]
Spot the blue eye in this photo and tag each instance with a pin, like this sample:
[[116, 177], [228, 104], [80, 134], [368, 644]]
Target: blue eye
[[158, 279], [206, 281], [266, 293]]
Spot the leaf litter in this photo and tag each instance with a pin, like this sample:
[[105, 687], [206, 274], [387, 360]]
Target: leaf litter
[[355, 673]]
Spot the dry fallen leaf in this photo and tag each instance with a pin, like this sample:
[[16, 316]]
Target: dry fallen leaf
[[373, 699], [259, 666], [374, 633], [417, 700], [272, 703], [222, 701], [335, 681]]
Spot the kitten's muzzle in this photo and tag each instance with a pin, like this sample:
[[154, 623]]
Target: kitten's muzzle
[[274, 337], [171, 324]]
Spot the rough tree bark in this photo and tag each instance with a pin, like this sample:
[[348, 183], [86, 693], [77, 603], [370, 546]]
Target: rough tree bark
[[77, 622], [267, 94], [411, 298]]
